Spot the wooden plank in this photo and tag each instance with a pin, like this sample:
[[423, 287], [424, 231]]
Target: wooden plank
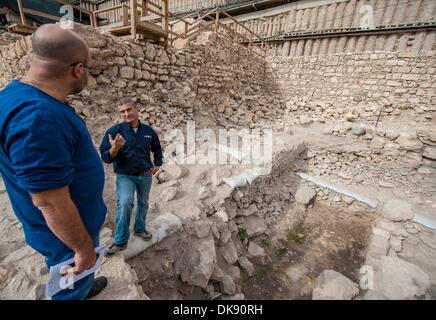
[[23, 17], [178, 36], [207, 14], [151, 3], [171, 32], [20, 29], [238, 23], [194, 32], [121, 31], [94, 20], [193, 35], [150, 18], [110, 8], [190, 29], [133, 18], [73, 6], [147, 27], [165, 17], [125, 16], [144, 10], [178, 19], [217, 18], [156, 13], [41, 14]]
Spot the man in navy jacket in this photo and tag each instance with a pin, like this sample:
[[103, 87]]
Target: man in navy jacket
[[128, 146]]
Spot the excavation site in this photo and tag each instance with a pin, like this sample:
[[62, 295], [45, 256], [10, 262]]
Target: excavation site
[[298, 139]]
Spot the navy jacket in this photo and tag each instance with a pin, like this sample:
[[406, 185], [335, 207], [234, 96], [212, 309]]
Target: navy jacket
[[134, 156]]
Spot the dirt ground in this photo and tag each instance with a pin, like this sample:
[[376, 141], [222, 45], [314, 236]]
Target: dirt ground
[[329, 238]]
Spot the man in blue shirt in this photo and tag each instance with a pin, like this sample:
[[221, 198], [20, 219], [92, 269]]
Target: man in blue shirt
[[51, 170], [128, 146]]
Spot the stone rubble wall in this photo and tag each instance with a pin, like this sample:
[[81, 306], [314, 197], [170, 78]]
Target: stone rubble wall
[[409, 249], [213, 77], [226, 241]]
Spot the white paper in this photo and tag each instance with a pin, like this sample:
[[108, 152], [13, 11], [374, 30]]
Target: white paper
[[58, 282]]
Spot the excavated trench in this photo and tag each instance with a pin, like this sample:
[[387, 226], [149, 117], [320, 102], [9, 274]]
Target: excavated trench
[[327, 238], [288, 243]]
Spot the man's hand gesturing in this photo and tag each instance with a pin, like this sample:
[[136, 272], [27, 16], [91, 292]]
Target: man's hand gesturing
[[116, 145], [118, 142]]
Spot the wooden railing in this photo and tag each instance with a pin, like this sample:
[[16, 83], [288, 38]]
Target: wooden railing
[[137, 11], [156, 16], [235, 30], [125, 14]]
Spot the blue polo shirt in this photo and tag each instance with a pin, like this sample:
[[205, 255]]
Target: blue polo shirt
[[134, 156], [45, 145]]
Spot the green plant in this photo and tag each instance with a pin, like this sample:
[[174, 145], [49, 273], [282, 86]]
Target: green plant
[[265, 243], [244, 276], [296, 235], [260, 273], [243, 234], [349, 119]]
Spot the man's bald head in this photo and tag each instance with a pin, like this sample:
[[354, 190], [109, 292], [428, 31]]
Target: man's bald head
[[51, 43], [59, 56]]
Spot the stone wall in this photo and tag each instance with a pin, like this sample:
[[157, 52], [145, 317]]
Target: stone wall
[[402, 80], [211, 76]]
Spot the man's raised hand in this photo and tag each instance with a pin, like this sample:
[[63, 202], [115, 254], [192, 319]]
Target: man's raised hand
[[118, 142]]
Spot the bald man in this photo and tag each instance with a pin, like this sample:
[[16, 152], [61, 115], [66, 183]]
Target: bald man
[[51, 170]]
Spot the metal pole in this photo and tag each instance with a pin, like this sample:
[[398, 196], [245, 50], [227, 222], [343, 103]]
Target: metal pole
[[378, 118]]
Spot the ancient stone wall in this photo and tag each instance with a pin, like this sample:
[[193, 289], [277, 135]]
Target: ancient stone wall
[[404, 80], [170, 86]]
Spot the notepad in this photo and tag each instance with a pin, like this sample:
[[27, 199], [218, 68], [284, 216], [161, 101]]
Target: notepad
[[59, 281]]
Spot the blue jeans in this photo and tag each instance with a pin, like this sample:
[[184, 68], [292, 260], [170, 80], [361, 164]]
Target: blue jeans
[[126, 186], [81, 287]]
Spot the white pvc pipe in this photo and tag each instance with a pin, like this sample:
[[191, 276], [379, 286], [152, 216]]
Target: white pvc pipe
[[161, 227], [370, 202]]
